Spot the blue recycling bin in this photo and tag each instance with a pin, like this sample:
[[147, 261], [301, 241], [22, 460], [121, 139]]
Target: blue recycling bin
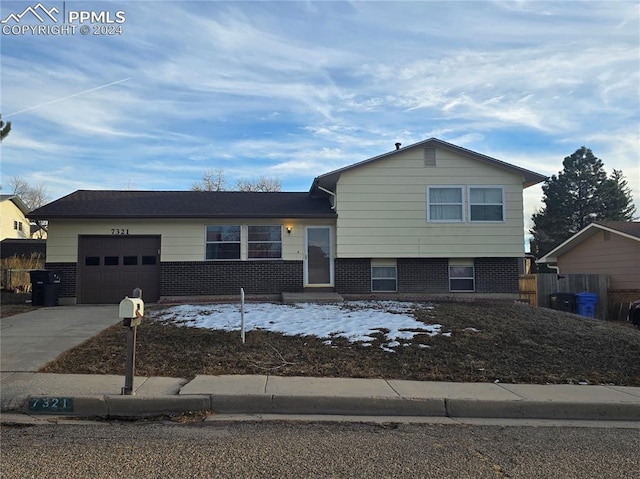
[[586, 304]]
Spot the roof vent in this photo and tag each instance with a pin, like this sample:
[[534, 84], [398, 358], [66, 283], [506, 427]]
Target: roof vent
[[398, 145]]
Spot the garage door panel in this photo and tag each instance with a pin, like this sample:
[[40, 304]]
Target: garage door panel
[[111, 267]]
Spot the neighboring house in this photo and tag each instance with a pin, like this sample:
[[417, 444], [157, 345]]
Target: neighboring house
[[429, 218], [13, 221], [611, 248]]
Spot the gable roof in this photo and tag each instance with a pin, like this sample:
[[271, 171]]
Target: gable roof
[[329, 180], [627, 229], [184, 204], [17, 201]]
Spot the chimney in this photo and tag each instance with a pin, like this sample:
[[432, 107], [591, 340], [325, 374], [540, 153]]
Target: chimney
[[398, 145]]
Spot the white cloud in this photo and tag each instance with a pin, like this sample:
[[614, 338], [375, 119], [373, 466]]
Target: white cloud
[[296, 89]]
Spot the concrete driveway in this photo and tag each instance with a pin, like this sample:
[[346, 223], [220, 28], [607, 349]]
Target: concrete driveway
[[30, 340]]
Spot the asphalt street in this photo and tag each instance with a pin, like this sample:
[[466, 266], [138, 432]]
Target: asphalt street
[[317, 450]]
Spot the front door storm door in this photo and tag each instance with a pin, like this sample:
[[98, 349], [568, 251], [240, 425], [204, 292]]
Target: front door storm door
[[319, 256]]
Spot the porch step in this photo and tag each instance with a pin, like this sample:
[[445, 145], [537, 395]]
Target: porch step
[[312, 297]]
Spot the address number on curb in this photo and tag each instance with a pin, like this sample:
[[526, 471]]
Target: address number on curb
[[50, 405]]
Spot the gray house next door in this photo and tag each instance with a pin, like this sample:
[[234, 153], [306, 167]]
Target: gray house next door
[[111, 267]]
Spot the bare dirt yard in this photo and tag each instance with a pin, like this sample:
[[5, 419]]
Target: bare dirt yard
[[477, 342]]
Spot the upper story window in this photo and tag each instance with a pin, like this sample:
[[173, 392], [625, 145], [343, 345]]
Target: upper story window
[[486, 203], [17, 225], [264, 242], [444, 203], [223, 242]]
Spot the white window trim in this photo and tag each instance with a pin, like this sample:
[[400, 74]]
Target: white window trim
[[501, 188], [266, 259], [211, 242], [462, 208]]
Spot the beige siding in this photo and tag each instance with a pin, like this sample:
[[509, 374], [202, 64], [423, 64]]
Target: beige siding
[[618, 257], [9, 213], [382, 209], [181, 240]]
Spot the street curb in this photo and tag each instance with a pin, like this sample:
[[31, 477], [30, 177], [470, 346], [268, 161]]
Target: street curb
[[542, 410], [125, 406], [147, 406], [230, 404]]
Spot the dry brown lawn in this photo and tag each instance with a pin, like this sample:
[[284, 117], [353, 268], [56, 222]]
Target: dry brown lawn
[[514, 344]]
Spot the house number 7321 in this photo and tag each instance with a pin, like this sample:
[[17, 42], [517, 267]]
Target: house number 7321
[[119, 231]]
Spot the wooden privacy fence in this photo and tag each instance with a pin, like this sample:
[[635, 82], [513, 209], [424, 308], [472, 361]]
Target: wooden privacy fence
[[538, 288]]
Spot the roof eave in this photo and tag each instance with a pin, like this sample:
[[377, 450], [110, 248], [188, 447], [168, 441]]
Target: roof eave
[[531, 178]]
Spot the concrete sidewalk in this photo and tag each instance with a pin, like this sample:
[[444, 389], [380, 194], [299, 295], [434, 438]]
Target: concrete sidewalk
[[100, 396], [30, 340]]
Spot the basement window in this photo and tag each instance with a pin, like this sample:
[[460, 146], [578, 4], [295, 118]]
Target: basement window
[[384, 278], [461, 278]]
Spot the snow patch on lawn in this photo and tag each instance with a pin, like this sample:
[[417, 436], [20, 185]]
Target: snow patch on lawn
[[357, 321]]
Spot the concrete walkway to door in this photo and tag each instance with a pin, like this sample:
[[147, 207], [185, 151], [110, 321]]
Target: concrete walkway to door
[[29, 341]]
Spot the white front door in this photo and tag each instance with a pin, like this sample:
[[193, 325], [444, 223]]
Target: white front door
[[318, 269]]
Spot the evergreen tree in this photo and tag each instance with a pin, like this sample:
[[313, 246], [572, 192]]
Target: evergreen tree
[[580, 194], [5, 128]]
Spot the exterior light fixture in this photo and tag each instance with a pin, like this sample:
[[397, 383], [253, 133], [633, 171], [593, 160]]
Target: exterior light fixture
[[288, 230]]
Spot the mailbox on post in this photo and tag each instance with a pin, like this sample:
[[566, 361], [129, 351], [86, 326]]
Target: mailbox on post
[[131, 311]]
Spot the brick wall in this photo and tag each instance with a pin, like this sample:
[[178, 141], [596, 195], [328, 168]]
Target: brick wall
[[352, 275], [185, 278], [496, 275], [68, 278], [423, 275]]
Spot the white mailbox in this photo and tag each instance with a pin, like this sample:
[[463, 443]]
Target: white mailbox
[[131, 308]]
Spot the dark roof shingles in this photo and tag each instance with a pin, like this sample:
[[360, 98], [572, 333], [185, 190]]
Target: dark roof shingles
[[185, 204]]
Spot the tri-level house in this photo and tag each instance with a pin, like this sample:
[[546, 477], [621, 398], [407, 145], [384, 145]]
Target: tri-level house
[[430, 218]]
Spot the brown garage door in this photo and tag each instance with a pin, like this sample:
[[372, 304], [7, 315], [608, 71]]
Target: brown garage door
[[111, 267]]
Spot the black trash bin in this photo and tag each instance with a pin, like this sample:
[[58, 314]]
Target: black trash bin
[[564, 302], [45, 287]]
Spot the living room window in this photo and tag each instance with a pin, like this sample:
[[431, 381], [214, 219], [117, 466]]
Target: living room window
[[265, 242], [444, 203], [486, 203], [384, 278], [223, 242]]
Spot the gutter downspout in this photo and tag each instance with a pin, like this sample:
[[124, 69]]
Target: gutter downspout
[[329, 192]]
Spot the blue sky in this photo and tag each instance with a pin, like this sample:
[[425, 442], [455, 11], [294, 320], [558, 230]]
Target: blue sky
[[298, 88]]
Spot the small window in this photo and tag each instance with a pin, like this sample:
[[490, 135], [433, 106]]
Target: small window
[[148, 260], [130, 260], [486, 204], [223, 242], [384, 278], [444, 204], [92, 261], [111, 261], [265, 242], [19, 225], [461, 278], [15, 225]]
